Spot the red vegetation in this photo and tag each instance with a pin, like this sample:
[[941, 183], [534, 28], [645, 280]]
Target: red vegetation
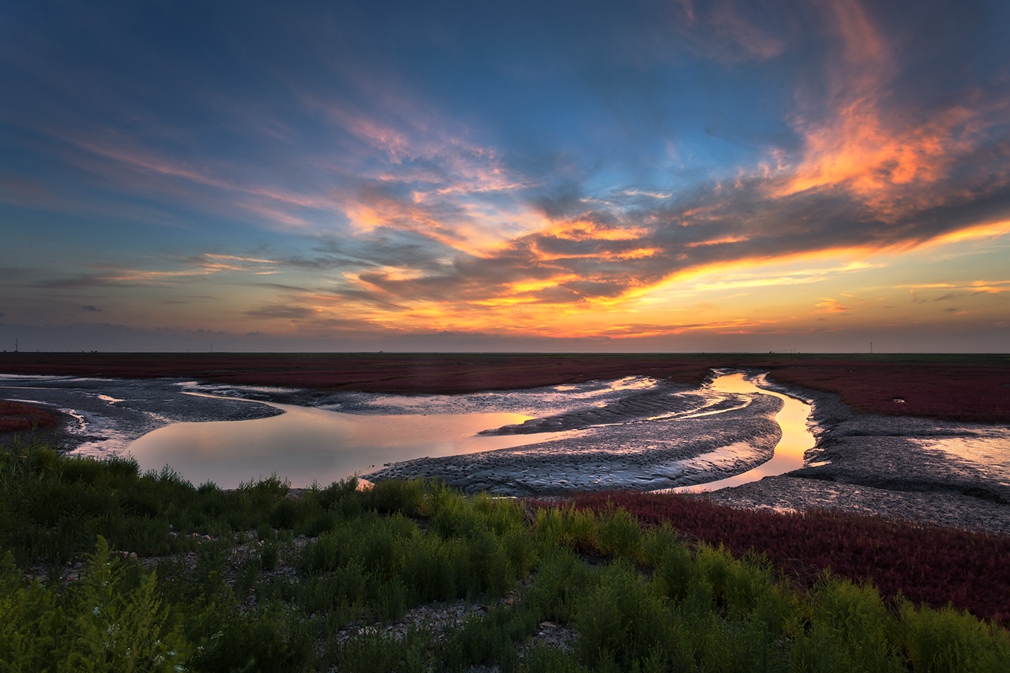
[[926, 564], [368, 372], [19, 417], [956, 387], [954, 391]]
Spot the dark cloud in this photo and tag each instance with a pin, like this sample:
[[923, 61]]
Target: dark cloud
[[84, 281], [282, 311], [91, 308]]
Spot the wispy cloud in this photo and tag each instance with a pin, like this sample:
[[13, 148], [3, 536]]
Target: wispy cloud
[[828, 305]]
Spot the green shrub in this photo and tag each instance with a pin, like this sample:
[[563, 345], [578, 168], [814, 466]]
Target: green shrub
[[396, 495], [619, 535], [487, 566], [548, 528], [675, 571], [850, 629], [561, 580], [269, 640], [432, 569], [457, 518], [579, 528], [948, 640], [372, 652], [620, 617], [209, 609], [111, 619], [520, 551]]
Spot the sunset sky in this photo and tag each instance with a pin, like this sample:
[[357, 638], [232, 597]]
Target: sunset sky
[[623, 176]]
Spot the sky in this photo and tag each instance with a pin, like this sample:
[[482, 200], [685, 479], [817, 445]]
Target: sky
[[686, 176]]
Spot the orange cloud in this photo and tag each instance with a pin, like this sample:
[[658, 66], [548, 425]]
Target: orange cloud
[[980, 231], [583, 230], [888, 158], [717, 241], [830, 306]]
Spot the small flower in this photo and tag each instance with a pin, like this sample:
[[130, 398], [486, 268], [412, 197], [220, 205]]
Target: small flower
[[96, 611]]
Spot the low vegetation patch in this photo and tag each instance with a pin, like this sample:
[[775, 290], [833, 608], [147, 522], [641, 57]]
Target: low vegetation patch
[[954, 388], [20, 417], [105, 568], [925, 564]]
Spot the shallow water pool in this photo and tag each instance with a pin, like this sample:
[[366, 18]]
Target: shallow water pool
[[306, 445]]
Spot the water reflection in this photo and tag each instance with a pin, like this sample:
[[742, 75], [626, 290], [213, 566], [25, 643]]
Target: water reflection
[[788, 456], [306, 444]]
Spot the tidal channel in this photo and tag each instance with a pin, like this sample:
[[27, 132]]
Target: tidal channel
[[634, 433]]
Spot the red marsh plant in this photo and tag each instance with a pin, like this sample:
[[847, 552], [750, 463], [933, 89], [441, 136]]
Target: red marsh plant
[[926, 564], [951, 391], [369, 372], [19, 417]]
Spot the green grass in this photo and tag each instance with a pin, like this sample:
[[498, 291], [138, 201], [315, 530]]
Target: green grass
[[310, 583]]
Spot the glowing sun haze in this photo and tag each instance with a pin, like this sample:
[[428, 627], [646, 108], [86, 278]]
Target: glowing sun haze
[[635, 175]]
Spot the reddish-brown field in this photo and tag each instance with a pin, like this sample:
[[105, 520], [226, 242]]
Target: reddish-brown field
[[964, 388], [392, 373], [924, 563], [956, 391], [18, 417]]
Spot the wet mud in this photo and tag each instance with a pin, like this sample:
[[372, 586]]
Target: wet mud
[[919, 469], [659, 438], [104, 416], [642, 455]]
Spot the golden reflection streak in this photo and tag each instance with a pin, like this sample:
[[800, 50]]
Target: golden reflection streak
[[797, 439]]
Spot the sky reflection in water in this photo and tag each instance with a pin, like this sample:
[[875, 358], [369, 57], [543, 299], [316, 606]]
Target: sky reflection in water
[[307, 444]]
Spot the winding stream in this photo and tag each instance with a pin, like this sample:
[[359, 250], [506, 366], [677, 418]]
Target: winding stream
[[797, 439]]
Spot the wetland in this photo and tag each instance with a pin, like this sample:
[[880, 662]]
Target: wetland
[[479, 423]]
